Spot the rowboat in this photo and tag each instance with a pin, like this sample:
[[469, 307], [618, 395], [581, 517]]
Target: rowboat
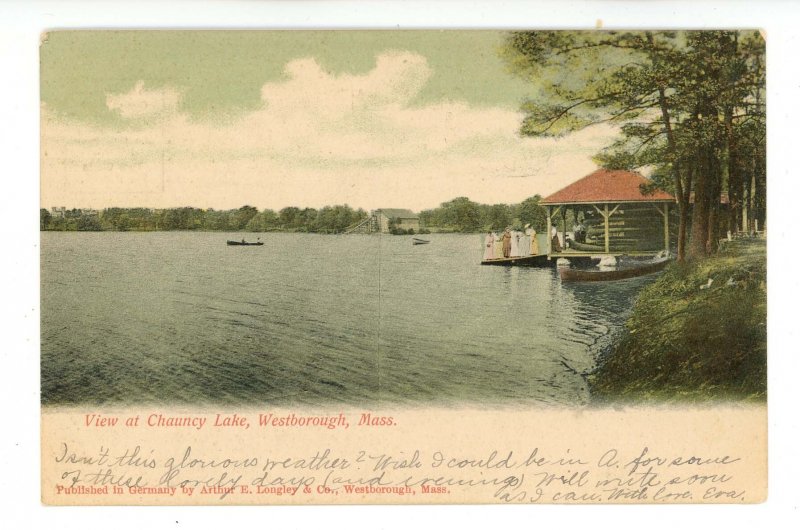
[[585, 275], [244, 243], [418, 241]]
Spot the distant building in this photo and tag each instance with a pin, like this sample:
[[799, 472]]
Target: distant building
[[401, 218], [59, 211]]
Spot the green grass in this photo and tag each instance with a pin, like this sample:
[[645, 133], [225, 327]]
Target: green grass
[[687, 344]]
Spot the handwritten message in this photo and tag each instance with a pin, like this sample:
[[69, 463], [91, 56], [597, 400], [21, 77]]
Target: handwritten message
[[286, 457]]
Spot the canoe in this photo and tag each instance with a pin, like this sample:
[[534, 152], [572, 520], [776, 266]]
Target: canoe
[[584, 275], [617, 246], [244, 243], [539, 260], [620, 231], [586, 247], [417, 241]]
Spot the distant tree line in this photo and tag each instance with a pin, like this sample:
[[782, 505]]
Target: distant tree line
[[329, 219], [464, 215], [458, 215]]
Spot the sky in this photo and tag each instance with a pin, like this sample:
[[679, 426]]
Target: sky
[[220, 119]]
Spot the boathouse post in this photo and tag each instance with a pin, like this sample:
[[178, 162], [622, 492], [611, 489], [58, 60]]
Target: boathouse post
[[605, 226], [665, 214], [547, 231]]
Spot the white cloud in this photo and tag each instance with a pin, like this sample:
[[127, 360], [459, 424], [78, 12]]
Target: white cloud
[[317, 139], [141, 103]]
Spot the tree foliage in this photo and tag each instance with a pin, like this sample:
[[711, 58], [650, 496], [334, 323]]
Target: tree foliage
[[689, 105], [464, 215]]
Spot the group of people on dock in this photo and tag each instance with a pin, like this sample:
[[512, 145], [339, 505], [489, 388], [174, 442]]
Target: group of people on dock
[[511, 244]]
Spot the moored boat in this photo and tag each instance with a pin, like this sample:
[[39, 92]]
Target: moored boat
[[244, 243], [585, 275]]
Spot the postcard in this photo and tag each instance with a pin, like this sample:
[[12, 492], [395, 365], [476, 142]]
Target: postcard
[[403, 267]]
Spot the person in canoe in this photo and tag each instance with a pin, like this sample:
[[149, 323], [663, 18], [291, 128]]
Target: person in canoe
[[488, 246], [580, 232]]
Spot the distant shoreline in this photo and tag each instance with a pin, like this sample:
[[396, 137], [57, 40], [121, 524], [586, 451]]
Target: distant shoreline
[[460, 215], [426, 231]]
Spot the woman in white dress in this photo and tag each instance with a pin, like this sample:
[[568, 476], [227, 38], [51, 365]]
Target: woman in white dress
[[525, 241], [488, 246], [498, 246], [515, 235]]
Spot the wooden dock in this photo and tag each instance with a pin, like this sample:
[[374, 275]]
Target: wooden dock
[[539, 260]]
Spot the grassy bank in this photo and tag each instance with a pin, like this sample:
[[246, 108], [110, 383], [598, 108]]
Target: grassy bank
[[688, 340]]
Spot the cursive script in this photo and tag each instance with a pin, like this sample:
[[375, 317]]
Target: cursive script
[[325, 475]]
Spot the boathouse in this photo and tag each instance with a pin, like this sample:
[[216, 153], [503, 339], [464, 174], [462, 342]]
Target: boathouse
[[397, 218], [607, 213]]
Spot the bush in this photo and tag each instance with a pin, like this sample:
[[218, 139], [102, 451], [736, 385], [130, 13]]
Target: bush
[[684, 342]]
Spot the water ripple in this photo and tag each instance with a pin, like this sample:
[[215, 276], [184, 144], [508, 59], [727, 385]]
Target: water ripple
[[309, 319]]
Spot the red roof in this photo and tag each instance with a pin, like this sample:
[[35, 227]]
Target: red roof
[[606, 185]]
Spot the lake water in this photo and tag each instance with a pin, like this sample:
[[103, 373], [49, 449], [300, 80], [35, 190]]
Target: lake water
[[181, 318]]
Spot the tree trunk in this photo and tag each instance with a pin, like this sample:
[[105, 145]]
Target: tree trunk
[[747, 214], [713, 206], [683, 213], [734, 175], [697, 246], [760, 191], [676, 175], [683, 202]]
